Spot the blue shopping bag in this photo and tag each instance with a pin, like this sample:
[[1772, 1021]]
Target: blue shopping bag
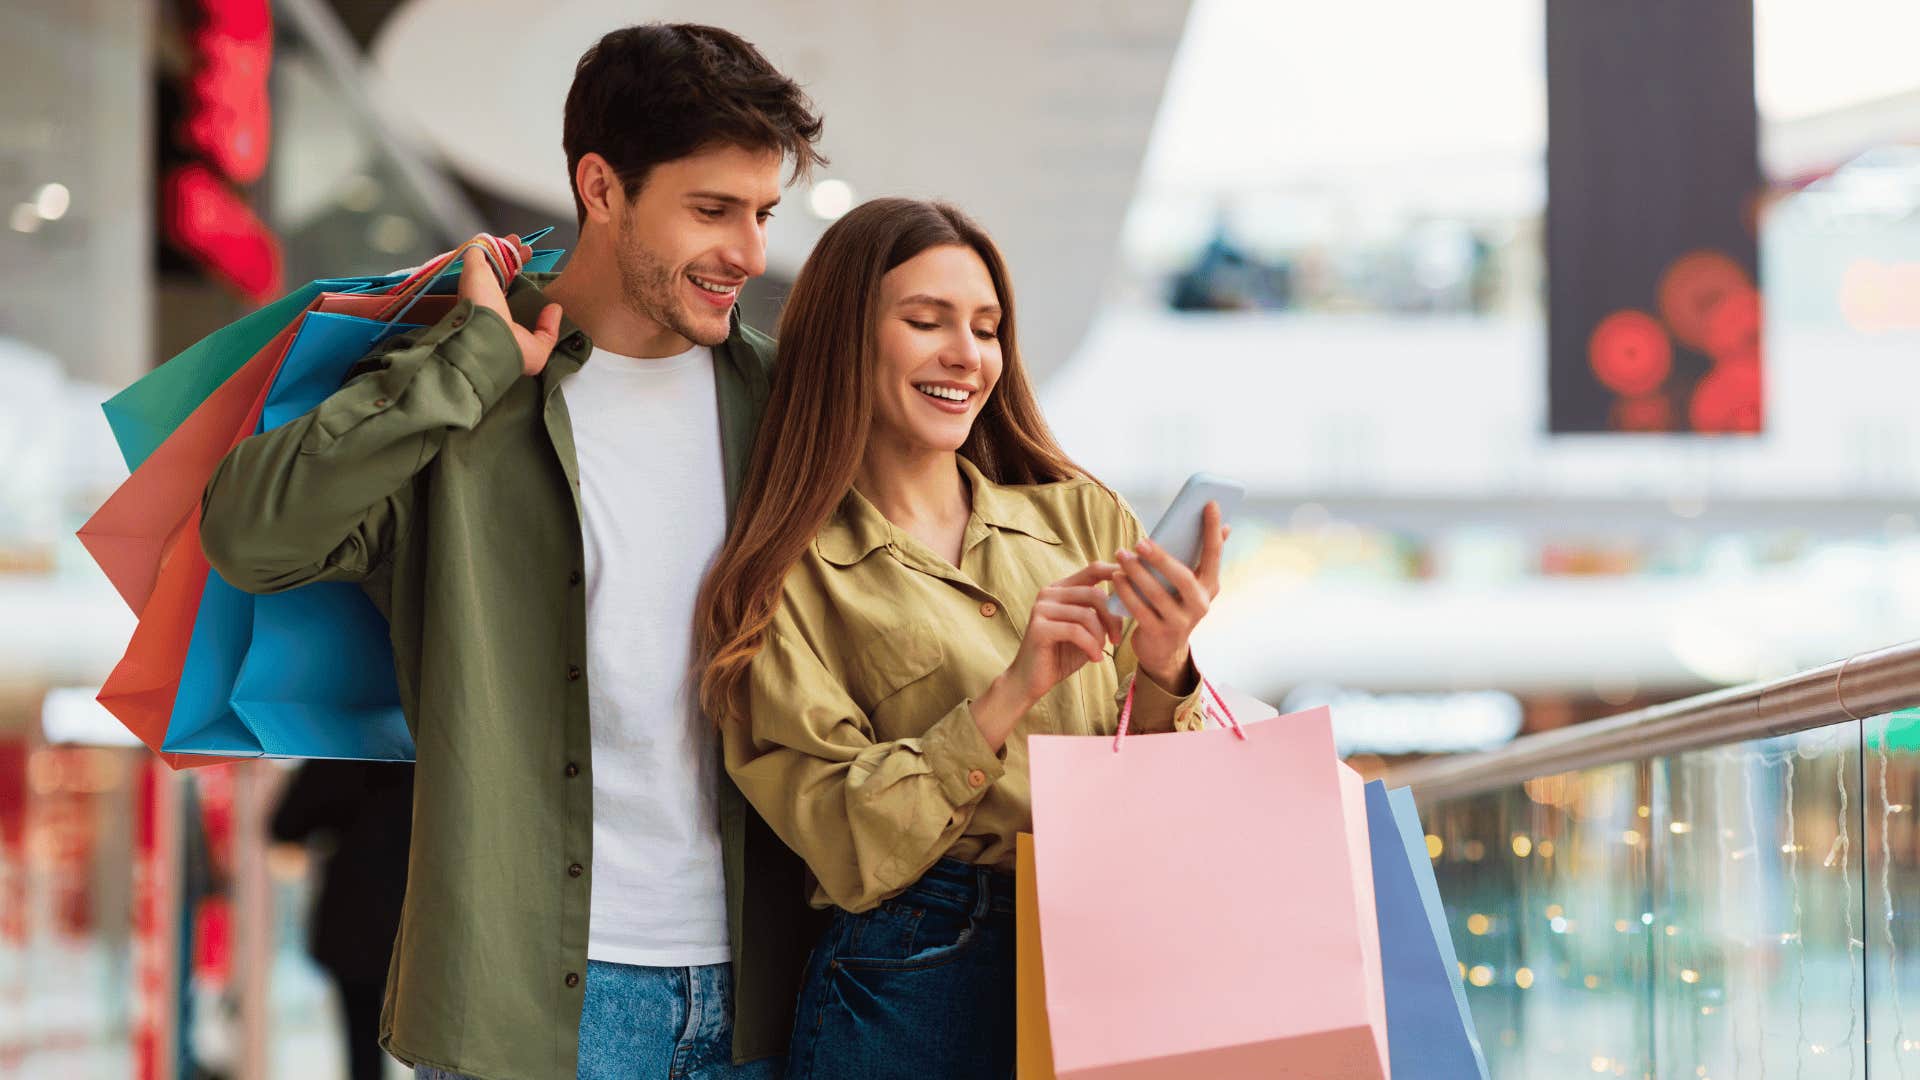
[[1430, 1029], [145, 413], [308, 672]]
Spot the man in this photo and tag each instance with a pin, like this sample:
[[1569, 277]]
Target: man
[[531, 490]]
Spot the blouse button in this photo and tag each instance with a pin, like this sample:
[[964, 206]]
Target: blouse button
[[989, 609]]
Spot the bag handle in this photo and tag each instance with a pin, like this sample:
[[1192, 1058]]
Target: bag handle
[[1206, 706], [501, 254]]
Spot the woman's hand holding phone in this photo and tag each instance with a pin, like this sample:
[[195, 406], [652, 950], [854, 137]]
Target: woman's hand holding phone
[[1163, 620], [1071, 625]]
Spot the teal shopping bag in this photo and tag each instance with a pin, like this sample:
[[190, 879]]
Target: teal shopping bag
[[145, 413], [1430, 1029]]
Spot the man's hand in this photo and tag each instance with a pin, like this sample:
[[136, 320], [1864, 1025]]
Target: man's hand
[[478, 284]]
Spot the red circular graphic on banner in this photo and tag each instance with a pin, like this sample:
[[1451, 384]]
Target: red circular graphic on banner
[[1727, 400], [1693, 287], [1650, 413], [1630, 353], [1733, 326]]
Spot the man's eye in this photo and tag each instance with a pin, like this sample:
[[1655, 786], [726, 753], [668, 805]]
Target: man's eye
[[711, 213], [766, 216]]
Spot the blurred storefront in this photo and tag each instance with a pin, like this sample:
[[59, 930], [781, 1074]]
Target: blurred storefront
[[163, 167]]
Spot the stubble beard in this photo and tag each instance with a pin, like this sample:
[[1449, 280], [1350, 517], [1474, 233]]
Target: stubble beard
[[649, 285]]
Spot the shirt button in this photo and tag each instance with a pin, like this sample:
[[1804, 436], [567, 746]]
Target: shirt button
[[575, 340], [573, 979], [573, 578], [989, 609], [380, 403], [459, 321], [977, 778], [576, 870], [573, 673], [572, 770]]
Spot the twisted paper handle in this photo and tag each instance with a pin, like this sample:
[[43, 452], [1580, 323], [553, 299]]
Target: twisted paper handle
[[502, 254]]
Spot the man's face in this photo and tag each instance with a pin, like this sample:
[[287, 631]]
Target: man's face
[[693, 235]]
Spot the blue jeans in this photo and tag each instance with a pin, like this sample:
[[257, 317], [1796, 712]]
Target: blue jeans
[[648, 1022], [919, 988]]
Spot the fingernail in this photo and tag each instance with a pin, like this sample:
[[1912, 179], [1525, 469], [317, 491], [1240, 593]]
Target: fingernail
[[1146, 546]]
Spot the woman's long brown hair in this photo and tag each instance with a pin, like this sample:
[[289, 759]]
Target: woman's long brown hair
[[814, 432]]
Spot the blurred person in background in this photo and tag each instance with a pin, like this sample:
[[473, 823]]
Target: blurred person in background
[[912, 586], [530, 490], [356, 816]]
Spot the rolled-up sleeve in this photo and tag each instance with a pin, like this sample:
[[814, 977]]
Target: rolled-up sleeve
[[869, 817], [1155, 708]]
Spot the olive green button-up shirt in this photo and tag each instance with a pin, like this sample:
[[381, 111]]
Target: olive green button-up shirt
[[860, 746], [445, 482]]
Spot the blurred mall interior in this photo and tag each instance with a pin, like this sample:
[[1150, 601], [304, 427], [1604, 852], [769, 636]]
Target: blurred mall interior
[[1567, 350]]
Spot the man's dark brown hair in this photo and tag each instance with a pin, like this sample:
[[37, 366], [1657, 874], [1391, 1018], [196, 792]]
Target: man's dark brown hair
[[660, 91]]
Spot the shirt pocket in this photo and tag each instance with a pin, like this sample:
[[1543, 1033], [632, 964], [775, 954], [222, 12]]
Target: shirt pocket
[[892, 661]]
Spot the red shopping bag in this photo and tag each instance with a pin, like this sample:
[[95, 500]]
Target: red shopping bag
[[1206, 905], [140, 690]]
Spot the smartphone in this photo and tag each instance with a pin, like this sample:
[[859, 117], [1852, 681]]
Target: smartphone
[[1178, 530]]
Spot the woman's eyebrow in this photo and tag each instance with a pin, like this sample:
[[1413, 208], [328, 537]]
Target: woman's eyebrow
[[945, 304]]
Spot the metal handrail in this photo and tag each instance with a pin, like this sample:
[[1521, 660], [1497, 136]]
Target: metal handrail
[[1861, 686]]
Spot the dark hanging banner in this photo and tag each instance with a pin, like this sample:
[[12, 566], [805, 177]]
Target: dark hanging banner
[[1653, 184]]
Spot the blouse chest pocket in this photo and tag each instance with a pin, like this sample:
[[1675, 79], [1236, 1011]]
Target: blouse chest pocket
[[892, 661]]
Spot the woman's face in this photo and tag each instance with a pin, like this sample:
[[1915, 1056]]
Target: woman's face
[[939, 348]]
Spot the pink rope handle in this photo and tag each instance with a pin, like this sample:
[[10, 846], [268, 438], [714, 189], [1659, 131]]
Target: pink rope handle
[[502, 255], [1126, 712], [1224, 708], [1206, 710]]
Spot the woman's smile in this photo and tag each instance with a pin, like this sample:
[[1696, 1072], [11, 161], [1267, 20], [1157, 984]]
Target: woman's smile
[[953, 398]]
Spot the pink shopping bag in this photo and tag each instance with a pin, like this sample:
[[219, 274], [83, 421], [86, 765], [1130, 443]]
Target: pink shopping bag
[[1206, 905]]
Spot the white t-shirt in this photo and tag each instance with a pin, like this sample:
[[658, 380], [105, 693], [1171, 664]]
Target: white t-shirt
[[653, 505]]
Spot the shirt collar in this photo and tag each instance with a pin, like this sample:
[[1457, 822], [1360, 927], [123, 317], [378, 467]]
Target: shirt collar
[[1003, 509], [857, 528]]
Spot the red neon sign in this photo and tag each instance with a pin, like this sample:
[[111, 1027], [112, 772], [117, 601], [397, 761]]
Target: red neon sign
[[212, 223], [228, 124]]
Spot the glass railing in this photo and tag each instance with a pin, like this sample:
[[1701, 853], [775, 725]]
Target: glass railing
[[1722, 905]]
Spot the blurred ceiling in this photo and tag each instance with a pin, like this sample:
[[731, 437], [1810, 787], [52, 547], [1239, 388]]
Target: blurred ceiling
[[1032, 117]]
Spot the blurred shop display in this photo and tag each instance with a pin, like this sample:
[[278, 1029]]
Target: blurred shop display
[[1652, 271], [1438, 723]]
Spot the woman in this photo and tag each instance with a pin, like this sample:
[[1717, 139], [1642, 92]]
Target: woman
[[911, 587]]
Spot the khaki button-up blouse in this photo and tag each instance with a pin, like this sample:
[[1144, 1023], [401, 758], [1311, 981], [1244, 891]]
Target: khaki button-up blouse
[[860, 747]]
